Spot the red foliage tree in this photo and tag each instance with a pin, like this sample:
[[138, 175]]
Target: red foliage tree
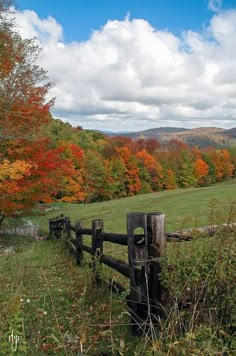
[[23, 110], [132, 181]]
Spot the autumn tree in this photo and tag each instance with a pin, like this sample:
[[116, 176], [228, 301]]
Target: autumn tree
[[72, 189], [221, 164], [118, 175], [232, 151], [169, 180], [201, 169], [148, 144], [57, 130], [31, 174], [5, 5], [150, 171], [30, 169], [23, 89], [97, 178], [132, 180]]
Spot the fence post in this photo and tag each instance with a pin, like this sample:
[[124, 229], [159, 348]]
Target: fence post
[[97, 246], [60, 226], [55, 228], [51, 230], [78, 242], [156, 249], [68, 232], [67, 227], [138, 299]]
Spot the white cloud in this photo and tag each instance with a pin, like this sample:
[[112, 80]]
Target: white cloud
[[129, 76], [215, 5], [30, 25]]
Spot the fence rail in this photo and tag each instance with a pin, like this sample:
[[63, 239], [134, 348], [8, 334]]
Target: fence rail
[[146, 239]]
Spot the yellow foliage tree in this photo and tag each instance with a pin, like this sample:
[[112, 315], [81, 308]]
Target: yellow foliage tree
[[14, 170]]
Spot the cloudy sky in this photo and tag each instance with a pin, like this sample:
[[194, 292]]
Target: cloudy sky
[[137, 64]]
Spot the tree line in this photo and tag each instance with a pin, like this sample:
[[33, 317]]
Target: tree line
[[115, 167]]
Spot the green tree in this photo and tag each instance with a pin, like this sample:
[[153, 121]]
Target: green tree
[[118, 174], [97, 179]]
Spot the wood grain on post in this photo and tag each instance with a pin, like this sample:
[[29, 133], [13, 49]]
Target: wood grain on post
[[67, 227], [138, 300], [156, 249], [78, 242], [97, 246], [50, 228]]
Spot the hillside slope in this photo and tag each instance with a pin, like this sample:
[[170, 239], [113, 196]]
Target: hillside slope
[[201, 137], [181, 207]]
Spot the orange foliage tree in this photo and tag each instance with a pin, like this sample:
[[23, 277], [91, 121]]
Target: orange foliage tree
[[73, 182], [30, 170], [32, 173], [132, 180], [201, 169], [151, 172], [222, 162]]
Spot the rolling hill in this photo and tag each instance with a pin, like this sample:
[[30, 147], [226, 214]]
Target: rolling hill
[[201, 137]]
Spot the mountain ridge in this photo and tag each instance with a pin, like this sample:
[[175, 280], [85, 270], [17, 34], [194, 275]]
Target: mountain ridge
[[199, 136]]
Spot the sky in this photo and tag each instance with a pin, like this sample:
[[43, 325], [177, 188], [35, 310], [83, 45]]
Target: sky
[[132, 65]]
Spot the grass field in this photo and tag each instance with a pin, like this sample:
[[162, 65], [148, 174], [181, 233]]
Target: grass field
[[52, 306], [181, 207]]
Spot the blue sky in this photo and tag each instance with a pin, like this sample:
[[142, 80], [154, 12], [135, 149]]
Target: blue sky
[[80, 17], [135, 64]]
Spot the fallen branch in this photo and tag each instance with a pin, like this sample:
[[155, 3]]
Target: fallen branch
[[189, 234]]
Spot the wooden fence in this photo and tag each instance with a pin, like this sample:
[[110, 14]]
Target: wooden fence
[[146, 239]]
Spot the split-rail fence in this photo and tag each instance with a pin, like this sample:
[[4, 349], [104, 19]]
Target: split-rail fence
[[146, 239]]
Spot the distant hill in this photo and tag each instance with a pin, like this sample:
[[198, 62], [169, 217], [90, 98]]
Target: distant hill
[[201, 136], [230, 132], [147, 133], [153, 133]]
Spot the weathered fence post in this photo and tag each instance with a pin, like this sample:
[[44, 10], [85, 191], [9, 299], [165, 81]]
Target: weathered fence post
[[61, 226], [97, 246], [67, 227], [156, 249], [68, 232], [56, 226], [78, 242], [138, 299], [51, 230]]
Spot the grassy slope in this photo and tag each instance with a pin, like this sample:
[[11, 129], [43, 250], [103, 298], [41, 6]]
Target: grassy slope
[[178, 205]]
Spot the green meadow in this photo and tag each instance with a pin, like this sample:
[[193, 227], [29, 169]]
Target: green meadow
[[181, 207]]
